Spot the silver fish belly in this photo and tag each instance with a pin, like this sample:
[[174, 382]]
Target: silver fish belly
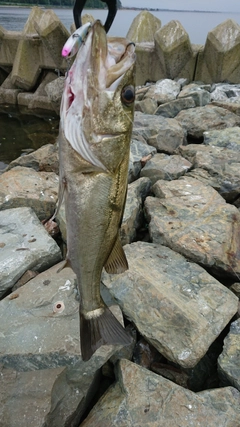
[[94, 142]]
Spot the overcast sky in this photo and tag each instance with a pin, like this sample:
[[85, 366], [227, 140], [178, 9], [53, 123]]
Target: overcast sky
[[204, 5]]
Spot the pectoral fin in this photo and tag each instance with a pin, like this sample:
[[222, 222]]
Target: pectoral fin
[[117, 261], [61, 190]]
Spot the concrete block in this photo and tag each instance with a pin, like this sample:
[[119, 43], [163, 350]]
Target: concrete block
[[143, 28], [39, 48], [174, 51], [53, 35], [8, 46], [219, 59], [148, 67]]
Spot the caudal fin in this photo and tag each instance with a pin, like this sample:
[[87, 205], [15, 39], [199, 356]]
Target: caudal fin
[[98, 330]]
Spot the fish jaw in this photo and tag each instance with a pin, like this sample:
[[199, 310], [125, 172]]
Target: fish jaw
[[93, 115]]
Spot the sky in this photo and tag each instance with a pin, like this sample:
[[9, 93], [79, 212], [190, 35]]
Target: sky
[[204, 5]]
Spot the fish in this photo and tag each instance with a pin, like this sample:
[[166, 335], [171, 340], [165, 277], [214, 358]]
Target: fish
[[96, 117], [74, 42]]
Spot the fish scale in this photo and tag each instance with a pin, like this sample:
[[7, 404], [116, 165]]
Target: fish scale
[[94, 175]]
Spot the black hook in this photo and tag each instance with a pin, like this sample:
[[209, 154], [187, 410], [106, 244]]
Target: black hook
[[78, 8]]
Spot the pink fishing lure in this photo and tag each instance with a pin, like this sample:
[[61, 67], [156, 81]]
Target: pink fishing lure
[[76, 39]]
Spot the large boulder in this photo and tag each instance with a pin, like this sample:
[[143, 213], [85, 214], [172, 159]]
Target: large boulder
[[176, 305], [194, 220], [142, 398]]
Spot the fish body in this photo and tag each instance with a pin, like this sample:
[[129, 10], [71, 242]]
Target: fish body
[[94, 144], [75, 41]]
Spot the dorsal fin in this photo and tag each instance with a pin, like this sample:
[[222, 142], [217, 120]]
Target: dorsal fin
[[117, 261]]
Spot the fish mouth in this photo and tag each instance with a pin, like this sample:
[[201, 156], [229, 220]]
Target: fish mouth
[[90, 86], [105, 59]]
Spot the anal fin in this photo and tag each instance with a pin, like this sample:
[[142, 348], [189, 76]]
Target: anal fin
[[117, 261], [98, 330]]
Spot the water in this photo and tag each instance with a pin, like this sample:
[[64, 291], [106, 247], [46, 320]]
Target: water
[[197, 24], [23, 133]]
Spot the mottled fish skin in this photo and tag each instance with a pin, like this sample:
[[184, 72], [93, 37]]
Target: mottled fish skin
[[94, 143]]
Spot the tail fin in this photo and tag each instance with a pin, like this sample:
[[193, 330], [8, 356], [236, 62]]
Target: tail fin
[[101, 330]]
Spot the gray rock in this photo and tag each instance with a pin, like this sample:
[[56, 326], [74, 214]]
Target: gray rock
[[24, 245], [171, 109], [235, 288], [44, 159], [142, 398], [194, 220], [24, 187], [180, 318], [138, 151], [227, 138], [164, 91], [162, 133], [198, 93], [232, 105], [225, 91], [228, 361], [25, 397], [221, 164], [200, 119], [163, 166], [147, 106], [47, 308], [133, 214]]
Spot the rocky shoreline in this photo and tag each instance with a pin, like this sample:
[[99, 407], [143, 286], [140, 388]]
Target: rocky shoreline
[[179, 298]]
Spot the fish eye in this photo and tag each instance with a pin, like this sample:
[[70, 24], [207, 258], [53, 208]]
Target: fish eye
[[128, 95]]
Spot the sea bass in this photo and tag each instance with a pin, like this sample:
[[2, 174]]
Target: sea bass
[[94, 142]]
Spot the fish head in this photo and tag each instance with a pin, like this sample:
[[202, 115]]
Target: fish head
[[98, 100]]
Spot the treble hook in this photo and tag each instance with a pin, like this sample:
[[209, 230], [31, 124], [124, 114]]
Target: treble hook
[[78, 8]]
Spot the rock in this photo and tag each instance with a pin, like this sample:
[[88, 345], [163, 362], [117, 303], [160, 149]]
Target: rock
[[163, 166], [147, 106], [24, 245], [25, 397], [222, 165], [142, 398], [48, 309], [232, 105], [45, 159], [201, 119], [172, 108], [194, 220], [228, 361], [164, 134], [200, 96], [145, 354], [235, 288], [180, 318], [174, 51], [227, 138], [225, 92], [24, 187], [163, 91], [133, 214], [171, 373], [143, 27], [138, 151], [28, 275]]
